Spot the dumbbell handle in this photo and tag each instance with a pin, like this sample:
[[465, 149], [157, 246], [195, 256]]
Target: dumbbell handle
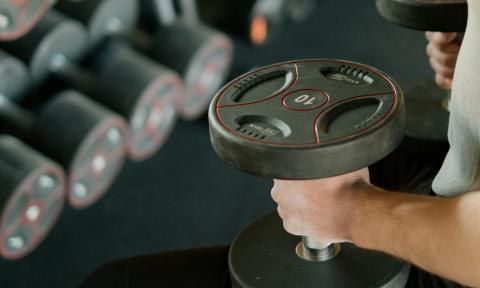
[[15, 119], [70, 72], [317, 251]]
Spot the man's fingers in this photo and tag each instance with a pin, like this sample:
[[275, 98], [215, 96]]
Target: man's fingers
[[443, 70], [293, 226], [442, 57], [443, 82], [441, 38]]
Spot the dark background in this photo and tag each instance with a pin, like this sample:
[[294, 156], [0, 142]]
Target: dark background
[[185, 196]]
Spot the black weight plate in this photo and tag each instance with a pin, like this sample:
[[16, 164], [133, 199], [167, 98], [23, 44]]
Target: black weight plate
[[256, 21], [102, 17], [426, 15], [31, 198], [201, 55], [307, 119], [263, 255], [17, 17], [427, 113]]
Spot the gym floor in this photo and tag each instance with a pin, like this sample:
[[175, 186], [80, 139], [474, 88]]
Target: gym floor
[[186, 196]]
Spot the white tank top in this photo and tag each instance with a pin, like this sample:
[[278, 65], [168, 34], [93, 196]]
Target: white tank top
[[460, 172]]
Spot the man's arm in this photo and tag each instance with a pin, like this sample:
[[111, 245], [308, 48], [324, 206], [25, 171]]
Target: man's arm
[[440, 235]]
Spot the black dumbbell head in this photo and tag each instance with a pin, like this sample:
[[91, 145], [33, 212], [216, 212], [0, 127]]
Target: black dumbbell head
[[426, 15], [54, 39], [102, 17], [18, 17], [32, 196], [307, 119], [14, 77], [87, 139], [142, 91], [201, 55], [263, 255]]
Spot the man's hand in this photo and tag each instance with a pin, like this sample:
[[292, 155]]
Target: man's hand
[[442, 51], [323, 208]]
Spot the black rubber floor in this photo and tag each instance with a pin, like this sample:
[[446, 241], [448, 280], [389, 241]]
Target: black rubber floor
[[185, 196]]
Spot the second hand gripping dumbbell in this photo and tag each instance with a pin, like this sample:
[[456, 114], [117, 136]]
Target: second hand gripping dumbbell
[[119, 78]]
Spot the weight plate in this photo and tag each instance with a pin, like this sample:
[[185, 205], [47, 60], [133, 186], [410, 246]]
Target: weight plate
[[142, 91], [263, 255], [105, 17], [426, 15], [92, 151], [18, 17], [32, 197], [97, 162], [427, 111], [307, 119], [53, 35], [202, 55], [14, 77], [205, 74]]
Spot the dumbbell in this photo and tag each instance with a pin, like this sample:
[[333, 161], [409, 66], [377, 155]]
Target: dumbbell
[[32, 192], [427, 104], [86, 139], [102, 17], [18, 17], [32, 196], [255, 21], [157, 88], [307, 119], [199, 53], [119, 78]]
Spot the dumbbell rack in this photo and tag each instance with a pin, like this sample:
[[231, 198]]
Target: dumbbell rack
[[127, 100]]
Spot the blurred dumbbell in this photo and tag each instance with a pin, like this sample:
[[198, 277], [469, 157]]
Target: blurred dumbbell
[[255, 21], [87, 139], [150, 99], [32, 187], [119, 78], [17, 17], [102, 17], [14, 77], [32, 196], [199, 53]]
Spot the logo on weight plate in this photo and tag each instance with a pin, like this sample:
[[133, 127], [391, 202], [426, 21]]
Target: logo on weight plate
[[343, 78], [267, 131]]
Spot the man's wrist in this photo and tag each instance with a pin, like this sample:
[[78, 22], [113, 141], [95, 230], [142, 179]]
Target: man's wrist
[[368, 209]]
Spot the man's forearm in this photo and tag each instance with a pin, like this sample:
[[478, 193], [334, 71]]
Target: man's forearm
[[440, 235]]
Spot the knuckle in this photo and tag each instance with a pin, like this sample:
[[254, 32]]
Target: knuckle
[[280, 212], [291, 228]]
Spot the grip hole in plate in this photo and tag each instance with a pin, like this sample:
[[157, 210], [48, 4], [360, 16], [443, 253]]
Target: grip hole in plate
[[349, 115], [263, 126], [258, 87], [347, 74]]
